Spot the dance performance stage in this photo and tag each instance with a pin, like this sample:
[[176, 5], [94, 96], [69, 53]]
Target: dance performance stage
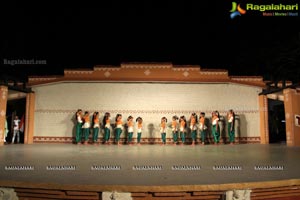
[[148, 168], [49, 166]]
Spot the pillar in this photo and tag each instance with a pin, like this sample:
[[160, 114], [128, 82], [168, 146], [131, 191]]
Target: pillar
[[292, 109], [29, 118], [3, 103], [264, 123]]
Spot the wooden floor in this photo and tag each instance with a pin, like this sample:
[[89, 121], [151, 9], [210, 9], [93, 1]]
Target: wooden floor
[[206, 183]]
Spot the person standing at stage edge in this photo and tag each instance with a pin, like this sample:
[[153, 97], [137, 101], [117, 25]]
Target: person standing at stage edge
[[5, 130], [231, 118], [215, 128], [16, 130], [78, 126]]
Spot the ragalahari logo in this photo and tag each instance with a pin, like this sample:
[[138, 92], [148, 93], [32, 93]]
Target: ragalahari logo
[[236, 10]]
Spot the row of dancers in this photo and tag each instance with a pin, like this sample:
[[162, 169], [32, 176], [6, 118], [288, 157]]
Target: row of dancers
[[178, 125]]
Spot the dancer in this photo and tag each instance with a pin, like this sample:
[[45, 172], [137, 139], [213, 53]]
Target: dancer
[[86, 126], [96, 126], [139, 121], [215, 128], [119, 128], [130, 129], [182, 129], [175, 129], [231, 119], [202, 127], [78, 126], [193, 127], [163, 129], [106, 124]]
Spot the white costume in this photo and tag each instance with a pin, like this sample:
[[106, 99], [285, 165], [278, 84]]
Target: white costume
[[16, 130]]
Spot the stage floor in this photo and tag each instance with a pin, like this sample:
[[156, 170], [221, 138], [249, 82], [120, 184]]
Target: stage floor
[[148, 164]]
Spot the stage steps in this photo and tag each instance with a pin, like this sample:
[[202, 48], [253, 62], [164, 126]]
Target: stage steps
[[275, 190]]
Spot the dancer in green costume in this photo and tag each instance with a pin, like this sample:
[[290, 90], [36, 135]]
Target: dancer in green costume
[[79, 123], [215, 129], [182, 129], [139, 121], [175, 129], [119, 128], [163, 130], [96, 126], [231, 118], [106, 124], [202, 128]]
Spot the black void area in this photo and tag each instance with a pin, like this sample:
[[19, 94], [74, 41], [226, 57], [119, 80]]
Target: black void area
[[277, 131], [15, 107]]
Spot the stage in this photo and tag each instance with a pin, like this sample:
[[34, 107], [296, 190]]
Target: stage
[[148, 165]]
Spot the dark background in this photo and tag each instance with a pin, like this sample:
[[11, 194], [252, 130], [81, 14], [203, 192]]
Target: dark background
[[181, 32]]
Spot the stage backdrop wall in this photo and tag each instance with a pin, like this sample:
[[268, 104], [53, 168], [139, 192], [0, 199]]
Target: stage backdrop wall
[[56, 104]]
